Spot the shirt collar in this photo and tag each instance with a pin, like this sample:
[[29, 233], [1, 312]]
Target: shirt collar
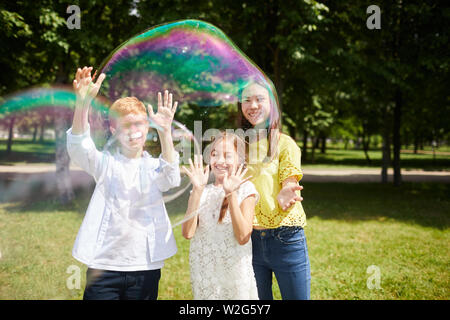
[[122, 158]]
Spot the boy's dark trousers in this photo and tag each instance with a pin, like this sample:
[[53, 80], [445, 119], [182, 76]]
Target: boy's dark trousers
[[121, 285]]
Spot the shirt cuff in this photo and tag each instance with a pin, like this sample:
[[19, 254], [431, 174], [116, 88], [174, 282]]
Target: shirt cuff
[[78, 138], [164, 163], [291, 171]]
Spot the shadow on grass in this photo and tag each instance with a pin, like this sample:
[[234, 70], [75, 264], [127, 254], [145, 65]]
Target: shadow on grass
[[38, 202], [27, 157], [426, 204]]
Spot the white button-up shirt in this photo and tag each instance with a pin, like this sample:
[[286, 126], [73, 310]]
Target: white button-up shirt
[[126, 227]]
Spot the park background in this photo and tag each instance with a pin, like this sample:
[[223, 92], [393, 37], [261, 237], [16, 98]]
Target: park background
[[369, 109]]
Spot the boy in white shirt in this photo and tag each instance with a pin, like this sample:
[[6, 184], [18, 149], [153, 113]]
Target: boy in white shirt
[[126, 234]]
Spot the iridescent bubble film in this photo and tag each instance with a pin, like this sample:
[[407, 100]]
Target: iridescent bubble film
[[32, 121], [203, 69], [195, 61]]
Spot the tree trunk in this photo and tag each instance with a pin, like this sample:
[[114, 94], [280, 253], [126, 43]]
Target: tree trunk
[[277, 78], [365, 143], [63, 181], [365, 139], [35, 130], [41, 137], [292, 131], [305, 144], [366, 152], [397, 59], [314, 140], [396, 138], [323, 145], [386, 149], [416, 143], [10, 135]]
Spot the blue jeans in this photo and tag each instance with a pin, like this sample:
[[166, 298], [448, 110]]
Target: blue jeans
[[284, 252], [121, 285]]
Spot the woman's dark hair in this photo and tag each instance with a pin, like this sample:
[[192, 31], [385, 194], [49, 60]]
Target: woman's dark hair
[[273, 123]]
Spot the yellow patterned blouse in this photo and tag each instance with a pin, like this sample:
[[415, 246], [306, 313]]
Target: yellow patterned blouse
[[268, 179]]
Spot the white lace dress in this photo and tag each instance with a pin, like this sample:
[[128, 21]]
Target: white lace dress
[[221, 268]]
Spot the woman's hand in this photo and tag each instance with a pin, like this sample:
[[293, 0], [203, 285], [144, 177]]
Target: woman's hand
[[86, 90], [232, 182], [288, 195], [197, 174], [166, 111]]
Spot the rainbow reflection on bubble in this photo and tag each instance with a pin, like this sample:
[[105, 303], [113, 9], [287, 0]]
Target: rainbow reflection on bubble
[[193, 59], [41, 97], [41, 106]]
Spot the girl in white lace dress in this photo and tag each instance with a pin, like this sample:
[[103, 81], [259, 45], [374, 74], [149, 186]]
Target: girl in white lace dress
[[220, 253]]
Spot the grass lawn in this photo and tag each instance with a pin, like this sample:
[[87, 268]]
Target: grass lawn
[[335, 157], [25, 151], [403, 232]]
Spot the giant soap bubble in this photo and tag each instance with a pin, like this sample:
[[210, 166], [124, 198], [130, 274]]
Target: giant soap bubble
[[200, 65], [203, 69], [193, 59]]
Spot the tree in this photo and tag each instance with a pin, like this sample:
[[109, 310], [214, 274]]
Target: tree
[[392, 61]]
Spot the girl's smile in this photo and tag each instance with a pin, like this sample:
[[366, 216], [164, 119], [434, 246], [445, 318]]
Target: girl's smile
[[224, 159], [255, 104]]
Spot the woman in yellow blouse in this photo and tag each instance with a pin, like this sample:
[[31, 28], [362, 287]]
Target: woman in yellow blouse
[[278, 239]]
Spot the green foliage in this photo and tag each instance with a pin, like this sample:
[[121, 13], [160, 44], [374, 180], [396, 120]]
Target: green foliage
[[13, 25], [330, 71]]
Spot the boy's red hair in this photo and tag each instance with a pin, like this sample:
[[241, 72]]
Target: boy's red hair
[[125, 106]]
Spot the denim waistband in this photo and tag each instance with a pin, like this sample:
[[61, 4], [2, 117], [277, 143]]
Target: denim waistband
[[275, 231]]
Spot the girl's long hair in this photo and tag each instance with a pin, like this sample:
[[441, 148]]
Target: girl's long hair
[[273, 122]]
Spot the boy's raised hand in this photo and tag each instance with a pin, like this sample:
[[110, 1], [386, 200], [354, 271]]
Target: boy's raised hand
[[85, 89], [166, 111]]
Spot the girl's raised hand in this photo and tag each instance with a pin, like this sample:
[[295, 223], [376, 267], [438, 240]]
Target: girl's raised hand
[[197, 174], [84, 87], [233, 181]]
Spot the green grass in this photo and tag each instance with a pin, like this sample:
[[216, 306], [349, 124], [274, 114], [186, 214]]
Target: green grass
[[25, 151], [403, 231], [356, 159]]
